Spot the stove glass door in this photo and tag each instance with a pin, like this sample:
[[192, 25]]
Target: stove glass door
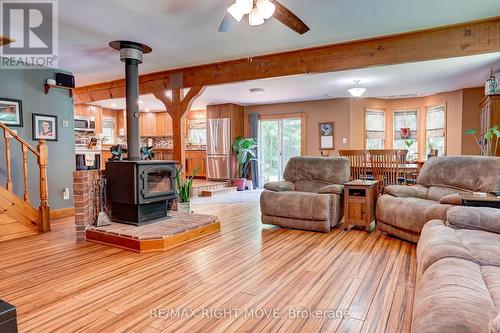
[[157, 182]]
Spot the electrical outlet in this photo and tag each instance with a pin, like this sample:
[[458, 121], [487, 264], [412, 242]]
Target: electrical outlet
[[66, 193]]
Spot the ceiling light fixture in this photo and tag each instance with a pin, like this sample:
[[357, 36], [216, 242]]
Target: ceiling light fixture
[[356, 91], [266, 8], [258, 91]]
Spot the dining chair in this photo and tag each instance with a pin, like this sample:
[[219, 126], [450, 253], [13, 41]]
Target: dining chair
[[357, 159], [385, 166]]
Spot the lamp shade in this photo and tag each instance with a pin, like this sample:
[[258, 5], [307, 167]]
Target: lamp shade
[[244, 5], [255, 17], [356, 91], [235, 12], [266, 8]]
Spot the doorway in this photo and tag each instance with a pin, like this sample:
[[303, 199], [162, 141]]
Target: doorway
[[280, 138]]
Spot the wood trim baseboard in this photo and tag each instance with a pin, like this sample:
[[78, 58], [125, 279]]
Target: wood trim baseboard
[[62, 212]]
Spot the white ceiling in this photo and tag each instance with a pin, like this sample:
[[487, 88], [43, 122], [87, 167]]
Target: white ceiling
[[422, 78], [184, 32]]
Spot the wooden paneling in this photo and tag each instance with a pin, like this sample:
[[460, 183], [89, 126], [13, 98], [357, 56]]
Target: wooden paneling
[[456, 40], [59, 285]]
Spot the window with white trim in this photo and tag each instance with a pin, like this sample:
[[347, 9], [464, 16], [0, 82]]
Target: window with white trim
[[405, 127], [374, 129], [435, 133]]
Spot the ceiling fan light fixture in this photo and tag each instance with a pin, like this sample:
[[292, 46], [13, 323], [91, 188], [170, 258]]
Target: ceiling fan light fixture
[[356, 91], [266, 8], [235, 12], [255, 17], [245, 6]]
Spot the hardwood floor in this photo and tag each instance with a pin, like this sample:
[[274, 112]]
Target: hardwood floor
[[12, 229], [58, 285]]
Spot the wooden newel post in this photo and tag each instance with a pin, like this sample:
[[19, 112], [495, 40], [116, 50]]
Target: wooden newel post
[[44, 226]]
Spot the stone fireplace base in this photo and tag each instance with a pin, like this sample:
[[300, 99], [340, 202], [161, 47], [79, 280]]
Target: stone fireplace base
[[159, 236]]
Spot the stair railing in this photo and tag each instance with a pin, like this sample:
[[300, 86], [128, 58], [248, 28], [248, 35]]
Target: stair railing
[[41, 153]]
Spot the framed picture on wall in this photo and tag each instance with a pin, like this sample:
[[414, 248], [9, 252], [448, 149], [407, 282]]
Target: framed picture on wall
[[326, 136], [11, 112], [44, 127]]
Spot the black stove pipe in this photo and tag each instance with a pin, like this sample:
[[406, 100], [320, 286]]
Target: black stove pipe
[[131, 54]]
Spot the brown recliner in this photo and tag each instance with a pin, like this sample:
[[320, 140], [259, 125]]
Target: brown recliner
[[403, 210], [458, 273], [310, 197]]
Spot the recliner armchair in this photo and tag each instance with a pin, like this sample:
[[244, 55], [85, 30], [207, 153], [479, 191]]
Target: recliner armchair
[[310, 197]]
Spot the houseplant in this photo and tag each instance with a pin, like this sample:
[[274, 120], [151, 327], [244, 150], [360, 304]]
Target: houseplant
[[184, 187], [244, 148], [488, 142]]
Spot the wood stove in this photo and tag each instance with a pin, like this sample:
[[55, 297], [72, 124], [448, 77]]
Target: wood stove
[[140, 191]]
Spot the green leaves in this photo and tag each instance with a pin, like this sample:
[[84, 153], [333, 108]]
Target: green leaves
[[184, 186], [471, 131], [245, 150], [486, 140]]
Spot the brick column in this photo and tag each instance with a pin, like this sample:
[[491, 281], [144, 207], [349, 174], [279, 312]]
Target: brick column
[[86, 200]]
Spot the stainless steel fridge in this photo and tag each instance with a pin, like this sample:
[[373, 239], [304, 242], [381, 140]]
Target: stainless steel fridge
[[219, 149]]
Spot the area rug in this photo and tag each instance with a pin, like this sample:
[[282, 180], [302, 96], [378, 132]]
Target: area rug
[[229, 197]]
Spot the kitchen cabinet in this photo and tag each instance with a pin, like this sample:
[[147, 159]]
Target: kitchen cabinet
[[196, 160], [163, 154], [90, 111], [155, 124]]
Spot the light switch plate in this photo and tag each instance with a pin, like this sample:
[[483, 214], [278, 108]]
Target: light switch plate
[[65, 123], [344, 140], [66, 193]]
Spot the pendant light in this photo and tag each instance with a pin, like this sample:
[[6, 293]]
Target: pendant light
[[356, 91]]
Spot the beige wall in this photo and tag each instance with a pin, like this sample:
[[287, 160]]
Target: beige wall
[[347, 113], [336, 110]]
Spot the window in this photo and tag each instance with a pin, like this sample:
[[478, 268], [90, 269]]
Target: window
[[108, 129], [435, 119], [406, 131], [197, 132], [375, 129]]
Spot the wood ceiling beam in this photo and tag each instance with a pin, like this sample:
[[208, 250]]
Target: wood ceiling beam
[[464, 39]]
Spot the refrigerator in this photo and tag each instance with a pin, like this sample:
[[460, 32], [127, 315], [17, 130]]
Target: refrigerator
[[219, 149]]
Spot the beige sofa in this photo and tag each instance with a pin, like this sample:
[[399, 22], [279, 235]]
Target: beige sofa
[[310, 197], [402, 211], [458, 273]]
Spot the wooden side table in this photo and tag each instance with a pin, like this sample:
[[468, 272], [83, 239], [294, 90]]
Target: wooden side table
[[476, 201], [360, 197]]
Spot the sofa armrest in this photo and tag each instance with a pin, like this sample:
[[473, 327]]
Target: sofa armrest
[[332, 189], [477, 218], [282, 186], [401, 191]]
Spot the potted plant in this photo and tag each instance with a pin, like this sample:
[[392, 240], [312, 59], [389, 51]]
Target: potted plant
[[184, 187], [488, 142], [244, 148]]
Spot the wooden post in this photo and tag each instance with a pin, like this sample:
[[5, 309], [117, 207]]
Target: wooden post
[[177, 108], [44, 226], [25, 173], [8, 184]]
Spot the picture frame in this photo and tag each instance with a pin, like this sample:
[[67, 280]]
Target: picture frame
[[44, 127], [11, 112], [327, 136]]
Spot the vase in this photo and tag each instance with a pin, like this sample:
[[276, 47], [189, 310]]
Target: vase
[[184, 207], [240, 183]]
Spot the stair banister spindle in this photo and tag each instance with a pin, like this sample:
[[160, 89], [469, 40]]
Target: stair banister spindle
[[8, 184], [44, 226], [25, 173]]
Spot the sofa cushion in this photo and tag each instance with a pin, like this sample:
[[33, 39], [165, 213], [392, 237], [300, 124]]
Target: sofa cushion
[[436, 193], [332, 189], [451, 199], [483, 218], [409, 213], [495, 325], [312, 186], [473, 173], [279, 186], [403, 191], [296, 205], [331, 170]]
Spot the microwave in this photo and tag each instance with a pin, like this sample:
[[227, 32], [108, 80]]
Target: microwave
[[85, 123]]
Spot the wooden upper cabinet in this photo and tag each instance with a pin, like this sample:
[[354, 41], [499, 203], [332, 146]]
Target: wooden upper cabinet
[[155, 124], [90, 111], [121, 122]]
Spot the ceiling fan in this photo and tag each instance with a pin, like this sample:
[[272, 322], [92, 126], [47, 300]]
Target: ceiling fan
[[260, 10]]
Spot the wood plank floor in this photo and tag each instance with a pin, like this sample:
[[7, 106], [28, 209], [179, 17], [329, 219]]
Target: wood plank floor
[[11, 229], [59, 285]]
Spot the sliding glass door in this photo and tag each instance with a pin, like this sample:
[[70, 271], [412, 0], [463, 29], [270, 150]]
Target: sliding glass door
[[279, 140]]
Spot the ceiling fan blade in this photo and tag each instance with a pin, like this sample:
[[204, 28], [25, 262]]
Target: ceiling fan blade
[[228, 22], [285, 16], [4, 40]]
